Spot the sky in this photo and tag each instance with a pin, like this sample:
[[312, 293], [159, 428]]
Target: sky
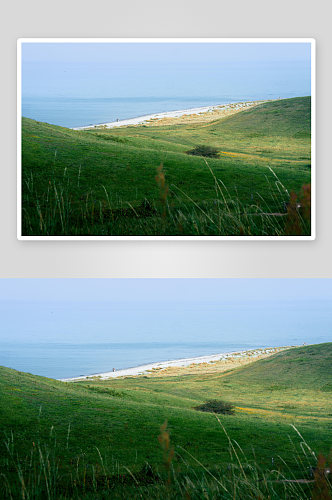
[[165, 290], [215, 53]]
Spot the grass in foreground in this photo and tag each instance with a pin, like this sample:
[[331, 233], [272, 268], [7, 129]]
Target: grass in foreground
[[103, 181], [95, 437], [41, 475]]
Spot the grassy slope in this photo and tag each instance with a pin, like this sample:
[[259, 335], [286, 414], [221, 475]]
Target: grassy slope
[[85, 165], [270, 131], [122, 417]]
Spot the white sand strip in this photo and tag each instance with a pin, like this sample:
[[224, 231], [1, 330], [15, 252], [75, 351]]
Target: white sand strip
[[171, 114], [141, 370]]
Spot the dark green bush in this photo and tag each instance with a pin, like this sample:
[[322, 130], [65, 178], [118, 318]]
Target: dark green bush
[[215, 406], [207, 151]]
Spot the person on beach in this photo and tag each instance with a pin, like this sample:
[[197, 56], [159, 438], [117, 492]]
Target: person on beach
[[117, 119]]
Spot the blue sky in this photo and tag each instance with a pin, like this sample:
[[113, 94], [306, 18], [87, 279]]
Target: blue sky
[[165, 290], [215, 53]]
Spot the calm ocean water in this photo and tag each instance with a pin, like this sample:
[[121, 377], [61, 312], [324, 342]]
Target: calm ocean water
[[76, 94], [68, 339]]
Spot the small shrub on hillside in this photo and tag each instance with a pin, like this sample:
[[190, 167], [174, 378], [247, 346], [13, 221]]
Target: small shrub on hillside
[[207, 151], [215, 406]]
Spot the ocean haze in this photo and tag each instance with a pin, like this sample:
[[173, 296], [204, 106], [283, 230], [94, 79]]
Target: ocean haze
[[76, 93], [61, 339]]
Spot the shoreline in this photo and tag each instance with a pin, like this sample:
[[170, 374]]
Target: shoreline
[[202, 110], [183, 362]]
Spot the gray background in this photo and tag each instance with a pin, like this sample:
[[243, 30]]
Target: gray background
[[159, 18]]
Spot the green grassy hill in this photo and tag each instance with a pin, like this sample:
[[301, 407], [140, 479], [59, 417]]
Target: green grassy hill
[[307, 367], [109, 428], [285, 117], [103, 181], [272, 130]]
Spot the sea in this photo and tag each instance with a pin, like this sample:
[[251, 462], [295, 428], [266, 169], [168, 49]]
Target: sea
[[79, 94], [71, 338]]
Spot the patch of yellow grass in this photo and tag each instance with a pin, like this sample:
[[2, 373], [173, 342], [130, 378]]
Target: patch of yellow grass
[[227, 153], [270, 413]]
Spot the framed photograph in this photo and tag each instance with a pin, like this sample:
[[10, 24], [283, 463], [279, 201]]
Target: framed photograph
[[183, 139]]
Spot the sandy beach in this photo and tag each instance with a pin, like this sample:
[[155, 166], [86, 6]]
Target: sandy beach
[[203, 113], [214, 362]]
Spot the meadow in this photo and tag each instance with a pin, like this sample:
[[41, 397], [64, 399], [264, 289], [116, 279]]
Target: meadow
[[143, 437], [142, 180]]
